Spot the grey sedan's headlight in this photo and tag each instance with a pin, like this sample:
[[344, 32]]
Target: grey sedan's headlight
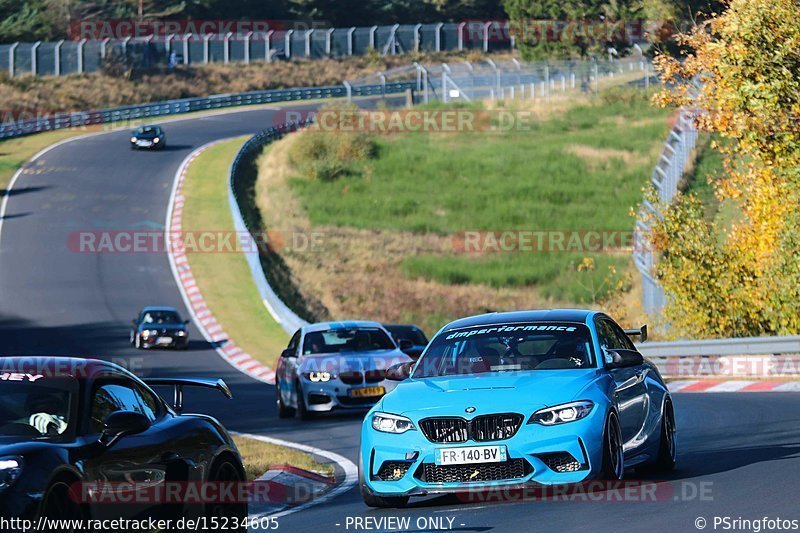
[[181, 333], [149, 333], [318, 377], [561, 414], [391, 423], [10, 469]]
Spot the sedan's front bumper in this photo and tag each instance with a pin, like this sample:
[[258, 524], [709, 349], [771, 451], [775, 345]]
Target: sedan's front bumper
[[537, 453], [175, 341], [322, 397]]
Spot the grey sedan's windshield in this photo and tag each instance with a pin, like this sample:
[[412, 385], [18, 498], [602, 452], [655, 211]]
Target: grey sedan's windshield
[[507, 348], [346, 340]]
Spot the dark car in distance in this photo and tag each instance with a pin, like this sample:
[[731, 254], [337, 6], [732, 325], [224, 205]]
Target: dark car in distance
[[409, 337], [76, 433], [149, 138], [159, 327]]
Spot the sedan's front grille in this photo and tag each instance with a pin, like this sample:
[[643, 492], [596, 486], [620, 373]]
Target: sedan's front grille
[[445, 429], [374, 376], [351, 378], [508, 470], [480, 429], [495, 427]]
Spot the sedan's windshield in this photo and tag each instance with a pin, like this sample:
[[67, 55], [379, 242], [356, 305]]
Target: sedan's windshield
[[507, 348], [34, 406], [161, 317], [346, 340]]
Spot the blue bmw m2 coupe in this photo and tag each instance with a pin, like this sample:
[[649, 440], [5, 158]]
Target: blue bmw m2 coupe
[[520, 399]]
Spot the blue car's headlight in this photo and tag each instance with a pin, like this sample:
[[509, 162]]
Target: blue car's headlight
[[391, 423], [10, 469], [561, 414]]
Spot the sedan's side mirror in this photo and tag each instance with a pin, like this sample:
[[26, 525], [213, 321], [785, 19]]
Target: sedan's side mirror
[[405, 344], [121, 423], [622, 358], [400, 371], [288, 352]]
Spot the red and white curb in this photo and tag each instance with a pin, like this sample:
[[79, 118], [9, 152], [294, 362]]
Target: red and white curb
[[208, 325], [713, 385]]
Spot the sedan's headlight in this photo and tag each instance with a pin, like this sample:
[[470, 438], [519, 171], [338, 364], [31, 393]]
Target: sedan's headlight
[[180, 333], [391, 423], [561, 414], [318, 377], [10, 469], [155, 141], [134, 139], [149, 333]]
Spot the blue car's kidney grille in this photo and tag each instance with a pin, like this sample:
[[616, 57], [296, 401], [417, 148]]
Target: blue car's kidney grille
[[480, 429], [445, 429]]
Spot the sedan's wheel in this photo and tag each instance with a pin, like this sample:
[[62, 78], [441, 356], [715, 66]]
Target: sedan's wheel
[[59, 504], [232, 513], [132, 338], [668, 451], [302, 410], [379, 501], [613, 455], [137, 342], [283, 411]]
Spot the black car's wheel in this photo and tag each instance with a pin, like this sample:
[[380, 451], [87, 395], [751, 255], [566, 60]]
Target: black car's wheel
[[668, 450], [302, 410], [233, 513], [378, 501], [613, 467], [283, 410], [59, 504]]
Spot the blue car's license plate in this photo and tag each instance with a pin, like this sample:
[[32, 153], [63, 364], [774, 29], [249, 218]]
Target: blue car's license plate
[[471, 454]]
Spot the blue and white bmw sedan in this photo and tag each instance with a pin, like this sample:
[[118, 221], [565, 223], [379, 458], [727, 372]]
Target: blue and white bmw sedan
[[335, 365], [521, 399]]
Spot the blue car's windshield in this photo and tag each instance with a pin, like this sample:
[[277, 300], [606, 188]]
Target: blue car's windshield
[[507, 348]]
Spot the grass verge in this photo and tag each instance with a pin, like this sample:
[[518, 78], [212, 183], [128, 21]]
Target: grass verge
[[259, 456], [224, 278]]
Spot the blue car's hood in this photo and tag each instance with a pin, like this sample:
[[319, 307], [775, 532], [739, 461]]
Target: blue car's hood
[[523, 392]]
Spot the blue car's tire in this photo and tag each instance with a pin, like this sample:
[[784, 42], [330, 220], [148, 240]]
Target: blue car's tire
[[378, 501], [668, 450], [613, 465]]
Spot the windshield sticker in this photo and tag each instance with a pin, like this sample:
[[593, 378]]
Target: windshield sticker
[[511, 329], [16, 376]]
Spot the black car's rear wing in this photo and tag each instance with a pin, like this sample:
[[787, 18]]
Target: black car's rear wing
[[641, 332], [180, 383]]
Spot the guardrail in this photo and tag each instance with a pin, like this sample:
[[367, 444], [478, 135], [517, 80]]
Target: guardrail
[[189, 105], [723, 347]]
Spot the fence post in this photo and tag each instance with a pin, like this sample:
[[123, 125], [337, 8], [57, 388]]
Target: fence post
[[186, 52], [460, 30], [247, 37], [486, 27], [206, 38], [417, 37], [11, 59], [372, 32], [125, 47], [349, 90], [307, 38], [104, 47], [268, 46], [382, 76], [57, 58], [329, 42], [226, 47], [350, 33], [287, 44], [79, 51], [439, 27], [596, 78], [35, 58]]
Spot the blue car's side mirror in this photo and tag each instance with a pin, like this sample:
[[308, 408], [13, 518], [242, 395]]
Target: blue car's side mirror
[[622, 358]]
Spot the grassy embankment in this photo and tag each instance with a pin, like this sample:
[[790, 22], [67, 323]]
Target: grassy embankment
[[389, 218]]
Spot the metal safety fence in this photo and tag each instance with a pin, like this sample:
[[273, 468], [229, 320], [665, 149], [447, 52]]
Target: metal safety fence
[[85, 55]]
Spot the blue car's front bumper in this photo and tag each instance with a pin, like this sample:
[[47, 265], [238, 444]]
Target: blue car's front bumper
[[534, 444]]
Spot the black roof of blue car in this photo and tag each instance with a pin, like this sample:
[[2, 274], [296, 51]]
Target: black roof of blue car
[[543, 315]]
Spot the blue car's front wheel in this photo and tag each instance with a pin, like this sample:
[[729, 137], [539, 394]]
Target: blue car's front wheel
[[613, 467]]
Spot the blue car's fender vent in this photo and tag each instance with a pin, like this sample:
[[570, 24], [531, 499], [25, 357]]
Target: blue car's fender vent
[[474, 473], [480, 429]]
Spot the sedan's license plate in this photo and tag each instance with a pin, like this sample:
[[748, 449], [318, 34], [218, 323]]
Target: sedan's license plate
[[471, 455], [164, 340], [367, 391]]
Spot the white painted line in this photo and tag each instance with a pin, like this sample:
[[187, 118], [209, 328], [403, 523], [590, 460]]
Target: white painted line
[[349, 468], [791, 386]]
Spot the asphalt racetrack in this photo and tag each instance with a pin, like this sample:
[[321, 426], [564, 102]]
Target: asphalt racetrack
[[739, 454]]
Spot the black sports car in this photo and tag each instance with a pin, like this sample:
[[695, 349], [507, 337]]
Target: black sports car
[[149, 138], [409, 337], [82, 438], [159, 327]]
